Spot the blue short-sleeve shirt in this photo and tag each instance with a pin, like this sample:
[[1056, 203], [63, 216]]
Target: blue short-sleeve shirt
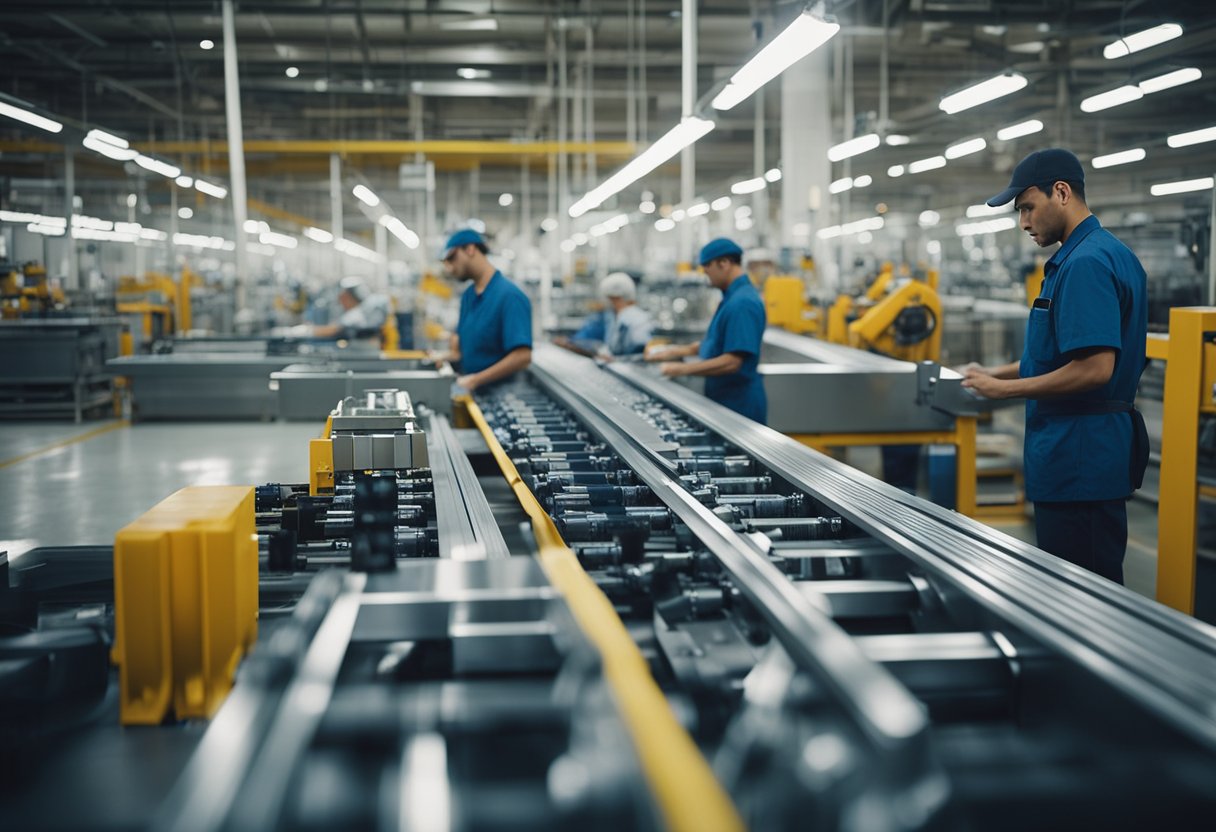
[[738, 327], [492, 324], [1093, 296]]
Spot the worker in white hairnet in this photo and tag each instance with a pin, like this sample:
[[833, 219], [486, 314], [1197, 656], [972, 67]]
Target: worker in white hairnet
[[629, 327], [364, 312]]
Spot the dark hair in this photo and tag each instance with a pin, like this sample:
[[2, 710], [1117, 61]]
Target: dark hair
[[481, 247], [737, 259], [1078, 188]]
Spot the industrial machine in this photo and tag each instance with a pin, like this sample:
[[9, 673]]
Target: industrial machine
[[624, 606], [25, 291], [57, 366]]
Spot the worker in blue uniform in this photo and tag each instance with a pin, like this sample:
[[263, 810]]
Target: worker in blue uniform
[[729, 353], [493, 338], [1086, 446]]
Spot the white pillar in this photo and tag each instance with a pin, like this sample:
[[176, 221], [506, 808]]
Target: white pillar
[[806, 172], [688, 97], [72, 280], [236, 149], [335, 210]]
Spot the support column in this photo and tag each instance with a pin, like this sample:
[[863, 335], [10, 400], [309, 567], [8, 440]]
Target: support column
[[688, 97], [236, 150], [1212, 252], [335, 210], [805, 170], [382, 262], [72, 279]]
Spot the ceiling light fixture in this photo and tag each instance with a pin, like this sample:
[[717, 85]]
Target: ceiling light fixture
[[157, 166], [964, 148], [1207, 134], [33, 119], [807, 33], [320, 235], [898, 140], [672, 142], [206, 43], [292, 71], [1022, 128], [895, 171], [853, 147], [1141, 40], [1123, 157], [749, 186], [364, 194], [983, 92], [1111, 98], [841, 185], [772, 175], [470, 24], [922, 165], [1183, 187], [399, 230], [217, 191], [1170, 79], [118, 154]]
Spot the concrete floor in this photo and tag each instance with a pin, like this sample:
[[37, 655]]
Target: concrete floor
[[67, 484]]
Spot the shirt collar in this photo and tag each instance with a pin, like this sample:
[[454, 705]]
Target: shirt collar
[[736, 285], [1086, 227], [489, 285]]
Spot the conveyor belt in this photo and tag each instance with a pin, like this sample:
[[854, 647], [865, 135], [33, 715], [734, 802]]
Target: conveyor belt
[[467, 529]]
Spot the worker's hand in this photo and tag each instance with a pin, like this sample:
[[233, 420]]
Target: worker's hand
[[971, 367], [671, 369], [562, 341], [467, 383], [980, 381], [660, 352], [300, 331]]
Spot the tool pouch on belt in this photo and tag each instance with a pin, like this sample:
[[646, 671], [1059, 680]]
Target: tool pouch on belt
[[1082, 407]]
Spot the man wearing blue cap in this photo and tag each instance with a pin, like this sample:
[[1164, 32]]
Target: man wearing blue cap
[[493, 338], [730, 351], [1086, 446]]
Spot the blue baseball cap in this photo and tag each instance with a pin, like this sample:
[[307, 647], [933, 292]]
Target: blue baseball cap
[[721, 247], [1043, 167], [463, 237]]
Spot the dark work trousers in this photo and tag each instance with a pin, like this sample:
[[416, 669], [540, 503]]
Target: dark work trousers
[[901, 466], [1093, 535]]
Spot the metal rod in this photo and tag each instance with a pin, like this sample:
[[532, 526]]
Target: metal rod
[[236, 151]]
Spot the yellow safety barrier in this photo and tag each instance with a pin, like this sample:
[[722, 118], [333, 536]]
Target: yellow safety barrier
[[685, 789], [321, 462], [186, 603]]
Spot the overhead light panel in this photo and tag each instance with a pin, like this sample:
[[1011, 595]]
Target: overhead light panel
[[206, 43], [1111, 98], [720, 204], [119, 154], [274, 238], [292, 72], [898, 140], [33, 119], [1183, 187], [1207, 134], [965, 148], [108, 138], [895, 171], [664, 224], [699, 209], [749, 186], [470, 24], [972, 229], [364, 194], [1170, 79], [217, 191], [928, 219], [922, 165], [772, 175], [672, 142], [807, 33], [1022, 128], [255, 227], [157, 166], [1123, 157], [320, 235], [863, 181], [841, 185], [471, 74], [983, 92], [184, 181], [853, 147], [1141, 40], [983, 210], [399, 230]]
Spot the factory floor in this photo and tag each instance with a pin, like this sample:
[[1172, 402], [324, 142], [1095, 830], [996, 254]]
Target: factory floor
[[67, 484]]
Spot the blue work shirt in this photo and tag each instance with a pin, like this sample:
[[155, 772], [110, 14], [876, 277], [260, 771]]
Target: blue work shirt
[[492, 324], [738, 327], [1093, 295], [594, 328]]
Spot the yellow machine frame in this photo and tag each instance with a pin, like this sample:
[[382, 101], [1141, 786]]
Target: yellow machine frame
[[872, 330], [1189, 378], [785, 306]]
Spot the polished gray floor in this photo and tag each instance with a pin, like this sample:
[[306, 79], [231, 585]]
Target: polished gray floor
[[83, 492]]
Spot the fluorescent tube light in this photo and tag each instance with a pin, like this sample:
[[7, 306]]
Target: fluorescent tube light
[[1141, 40], [157, 166], [47, 124], [965, 148], [983, 92], [470, 24], [1182, 187], [255, 227], [772, 175], [1111, 98], [185, 181], [672, 142], [975, 211], [699, 209], [217, 191], [928, 219], [364, 194], [895, 171], [108, 138], [853, 147], [664, 224], [720, 204], [971, 229], [863, 181], [1123, 157], [1207, 134], [922, 165], [108, 150], [749, 186], [1170, 79], [897, 139], [802, 37], [399, 230], [318, 234], [1022, 128], [841, 185]]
